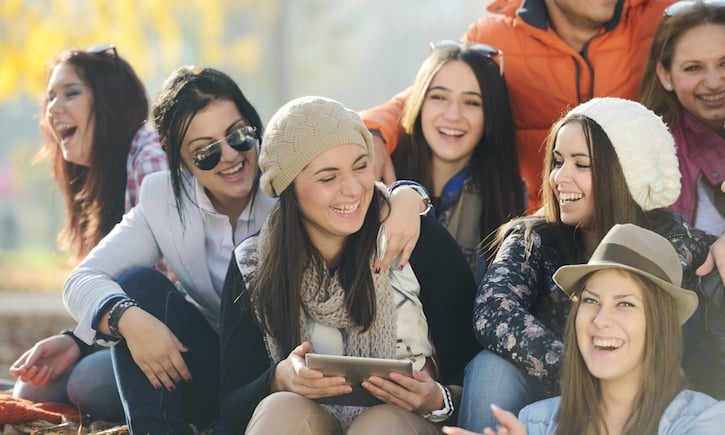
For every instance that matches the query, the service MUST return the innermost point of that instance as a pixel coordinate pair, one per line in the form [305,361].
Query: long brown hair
[494,163]
[652,94]
[580,411]
[278,278]
[94,196]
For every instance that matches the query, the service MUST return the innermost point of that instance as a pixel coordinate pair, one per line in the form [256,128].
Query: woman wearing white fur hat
[622,345]
[307,282]
[608,161]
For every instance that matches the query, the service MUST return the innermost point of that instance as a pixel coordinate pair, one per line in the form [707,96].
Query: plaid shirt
[144,157]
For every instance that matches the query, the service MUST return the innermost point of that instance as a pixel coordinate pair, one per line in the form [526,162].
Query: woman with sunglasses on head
[608,161]
[622,348]
[457,141]
[166,353]
[684,82]
[94,132]
[327,298]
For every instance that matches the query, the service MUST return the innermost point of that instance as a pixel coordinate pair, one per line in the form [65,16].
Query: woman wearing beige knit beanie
[608,161]
[307,283]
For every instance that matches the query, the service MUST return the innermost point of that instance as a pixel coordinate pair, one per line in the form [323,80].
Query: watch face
[437,416]
[440,415]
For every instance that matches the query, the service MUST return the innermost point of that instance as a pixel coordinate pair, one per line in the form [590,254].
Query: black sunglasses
[681,6]
[241,139]
[484,49]
[106,49]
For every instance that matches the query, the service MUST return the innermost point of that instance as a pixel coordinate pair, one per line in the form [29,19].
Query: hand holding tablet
[355,370]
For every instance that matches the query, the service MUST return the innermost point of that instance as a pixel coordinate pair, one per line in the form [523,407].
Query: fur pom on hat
[300,131]
[644,146]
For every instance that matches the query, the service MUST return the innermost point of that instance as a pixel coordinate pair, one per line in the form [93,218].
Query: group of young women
[201,338]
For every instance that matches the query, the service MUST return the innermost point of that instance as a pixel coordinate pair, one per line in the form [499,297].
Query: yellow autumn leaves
[155,36]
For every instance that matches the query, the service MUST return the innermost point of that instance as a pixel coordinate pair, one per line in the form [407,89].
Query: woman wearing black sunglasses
[166,353]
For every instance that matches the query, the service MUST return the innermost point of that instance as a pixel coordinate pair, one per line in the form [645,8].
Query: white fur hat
[644,146]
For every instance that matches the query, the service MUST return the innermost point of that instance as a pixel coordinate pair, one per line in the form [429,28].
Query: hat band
[627,257]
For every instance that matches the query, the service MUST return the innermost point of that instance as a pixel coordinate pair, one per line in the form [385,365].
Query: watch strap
[444,413]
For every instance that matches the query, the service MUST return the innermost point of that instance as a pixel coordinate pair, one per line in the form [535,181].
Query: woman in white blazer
[166,353]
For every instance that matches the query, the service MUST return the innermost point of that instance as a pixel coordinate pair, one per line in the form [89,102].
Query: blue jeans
[92,387]
[490,379]
[149,410]
[89,385]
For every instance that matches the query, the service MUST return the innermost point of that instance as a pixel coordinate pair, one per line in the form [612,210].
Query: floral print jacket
[519,311]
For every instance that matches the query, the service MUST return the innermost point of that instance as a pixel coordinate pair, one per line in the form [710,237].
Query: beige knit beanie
[300,131]
[644,146]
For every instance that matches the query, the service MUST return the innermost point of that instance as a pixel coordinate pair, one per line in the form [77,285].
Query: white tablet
[355,370]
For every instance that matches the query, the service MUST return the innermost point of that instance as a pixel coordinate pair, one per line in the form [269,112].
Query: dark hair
[278,279]
[652,93]
[580,408]
[94,196]
[189,90]
[494,162]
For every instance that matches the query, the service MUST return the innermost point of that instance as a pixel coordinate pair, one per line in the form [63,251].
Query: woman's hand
[715,258]
[46,360]
[508,425]
[154,348]
[402,228]
[292,374]
[418,394]
[451,430]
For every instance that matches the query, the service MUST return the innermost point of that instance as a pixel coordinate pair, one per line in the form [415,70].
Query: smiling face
[333,195]
[229,184]
[571,176]
[697,73]
[452,115]
[611,326]
[583,14]
[68,113]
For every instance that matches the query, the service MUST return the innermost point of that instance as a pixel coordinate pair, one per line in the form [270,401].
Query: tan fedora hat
[637,250]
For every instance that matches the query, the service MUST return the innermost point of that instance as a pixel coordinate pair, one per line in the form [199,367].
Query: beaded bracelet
[115,314]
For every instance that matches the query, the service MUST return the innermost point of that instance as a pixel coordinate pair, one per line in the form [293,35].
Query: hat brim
[567,277]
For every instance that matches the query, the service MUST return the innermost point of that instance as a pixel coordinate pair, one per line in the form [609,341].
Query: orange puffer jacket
[545,76]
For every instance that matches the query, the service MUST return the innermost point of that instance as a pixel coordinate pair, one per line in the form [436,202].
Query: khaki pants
[289,413]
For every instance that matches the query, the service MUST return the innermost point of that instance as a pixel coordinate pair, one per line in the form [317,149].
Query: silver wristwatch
[443,414]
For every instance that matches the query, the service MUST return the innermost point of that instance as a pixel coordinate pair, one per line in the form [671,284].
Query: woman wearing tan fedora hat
[622,348]
[608,161]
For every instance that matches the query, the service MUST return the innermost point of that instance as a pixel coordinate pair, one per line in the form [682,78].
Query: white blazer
[150,231]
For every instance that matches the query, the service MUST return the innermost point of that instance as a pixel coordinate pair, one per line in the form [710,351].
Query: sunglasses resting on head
[490,52]
[681,6]
[240,139]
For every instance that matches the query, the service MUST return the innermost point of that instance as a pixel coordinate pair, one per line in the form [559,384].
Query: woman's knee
[140,283]
[52,392]
[289,413]
[381,419]
[152,290]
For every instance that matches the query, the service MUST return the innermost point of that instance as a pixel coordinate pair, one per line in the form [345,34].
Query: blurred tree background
[358,51]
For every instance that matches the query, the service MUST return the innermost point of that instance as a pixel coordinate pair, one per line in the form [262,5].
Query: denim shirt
[689,413]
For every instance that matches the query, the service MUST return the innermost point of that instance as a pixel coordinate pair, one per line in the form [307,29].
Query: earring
[668,86]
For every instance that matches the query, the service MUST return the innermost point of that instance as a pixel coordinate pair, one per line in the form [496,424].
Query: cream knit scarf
[322,298]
